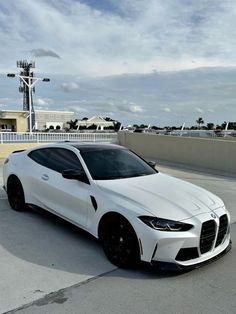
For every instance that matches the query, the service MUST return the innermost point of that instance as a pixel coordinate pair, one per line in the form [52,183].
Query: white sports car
[135,211]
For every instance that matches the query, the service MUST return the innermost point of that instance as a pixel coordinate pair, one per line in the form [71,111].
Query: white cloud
[138,37]
[199,110]
[91,107]
[129,107]
[135,109]
[70,87]
[76,109]
[42,102]
[5,99]
[166,109]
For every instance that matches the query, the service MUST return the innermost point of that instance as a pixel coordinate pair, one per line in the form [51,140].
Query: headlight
[165,224]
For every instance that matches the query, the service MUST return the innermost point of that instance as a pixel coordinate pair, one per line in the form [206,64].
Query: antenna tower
[23,88]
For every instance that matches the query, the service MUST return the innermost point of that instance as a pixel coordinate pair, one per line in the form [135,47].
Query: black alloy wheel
[119,242]
[16,195]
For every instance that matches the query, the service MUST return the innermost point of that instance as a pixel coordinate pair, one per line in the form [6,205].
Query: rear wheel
[15,194]
[119,241]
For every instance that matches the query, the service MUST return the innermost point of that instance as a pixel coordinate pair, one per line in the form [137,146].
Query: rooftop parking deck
[47,266]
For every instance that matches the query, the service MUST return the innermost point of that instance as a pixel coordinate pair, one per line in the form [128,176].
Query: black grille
[223,227]
[208,234]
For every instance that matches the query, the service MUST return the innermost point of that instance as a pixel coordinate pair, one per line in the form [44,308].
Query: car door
[65,197]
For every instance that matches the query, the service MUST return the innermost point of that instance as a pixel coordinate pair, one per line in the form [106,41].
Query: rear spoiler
[18,151]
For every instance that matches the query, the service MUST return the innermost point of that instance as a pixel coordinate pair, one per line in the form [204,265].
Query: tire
[119,241]
[16,196]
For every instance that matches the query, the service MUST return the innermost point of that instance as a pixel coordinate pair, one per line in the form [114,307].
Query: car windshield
[109,164]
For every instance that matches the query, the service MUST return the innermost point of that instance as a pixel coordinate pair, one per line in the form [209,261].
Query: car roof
[81,146]
[85,147]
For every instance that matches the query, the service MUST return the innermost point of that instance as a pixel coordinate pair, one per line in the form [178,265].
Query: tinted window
[40,156]
[57,159]
[62,159]
[110,164]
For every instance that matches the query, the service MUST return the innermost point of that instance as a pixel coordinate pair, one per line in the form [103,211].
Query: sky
[153,62]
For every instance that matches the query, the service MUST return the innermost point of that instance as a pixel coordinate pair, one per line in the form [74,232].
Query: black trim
[18,151]
[187,254]
[94,202]
[176,267]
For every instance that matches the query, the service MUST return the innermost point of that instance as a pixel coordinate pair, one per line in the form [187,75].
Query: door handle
[45,177]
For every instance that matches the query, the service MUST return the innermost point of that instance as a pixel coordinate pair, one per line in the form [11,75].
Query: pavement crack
[59,295]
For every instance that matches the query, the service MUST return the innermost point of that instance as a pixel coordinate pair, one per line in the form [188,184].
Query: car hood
[160,195]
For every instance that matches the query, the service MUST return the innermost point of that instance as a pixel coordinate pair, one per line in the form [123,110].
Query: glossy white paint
[156,195]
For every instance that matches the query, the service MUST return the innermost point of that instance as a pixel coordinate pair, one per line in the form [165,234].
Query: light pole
[30,81]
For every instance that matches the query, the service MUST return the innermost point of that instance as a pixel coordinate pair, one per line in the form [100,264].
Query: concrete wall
[217,154]
[6,149]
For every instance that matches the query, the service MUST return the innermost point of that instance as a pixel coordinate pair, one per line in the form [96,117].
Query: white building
[98,121]
[44,119]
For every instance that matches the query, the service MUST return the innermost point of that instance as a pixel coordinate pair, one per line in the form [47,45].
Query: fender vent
[94,202]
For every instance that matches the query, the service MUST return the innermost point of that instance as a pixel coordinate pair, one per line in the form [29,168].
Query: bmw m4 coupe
[138,213]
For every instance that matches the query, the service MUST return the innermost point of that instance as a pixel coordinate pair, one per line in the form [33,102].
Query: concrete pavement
[47,266]
[208,290]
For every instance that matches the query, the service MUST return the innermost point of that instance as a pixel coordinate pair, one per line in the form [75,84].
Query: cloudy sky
[155,62]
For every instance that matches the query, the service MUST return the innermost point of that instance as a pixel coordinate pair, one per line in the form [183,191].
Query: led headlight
[165,224]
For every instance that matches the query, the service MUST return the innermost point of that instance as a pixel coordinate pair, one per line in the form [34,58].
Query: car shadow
[42,238]
[140,268]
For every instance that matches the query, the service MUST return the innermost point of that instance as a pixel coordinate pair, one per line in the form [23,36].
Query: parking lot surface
[48,266]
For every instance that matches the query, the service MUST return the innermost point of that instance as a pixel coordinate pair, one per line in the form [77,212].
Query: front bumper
[186,250]
[177,267]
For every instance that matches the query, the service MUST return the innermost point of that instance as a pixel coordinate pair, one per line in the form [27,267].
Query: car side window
[40,156]
[61,159]
[57,159]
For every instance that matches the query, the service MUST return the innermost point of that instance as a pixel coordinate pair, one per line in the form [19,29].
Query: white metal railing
[20,137]
[199,133]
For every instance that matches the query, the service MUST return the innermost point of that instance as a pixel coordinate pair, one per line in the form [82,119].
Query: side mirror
[75,174]
[152,164]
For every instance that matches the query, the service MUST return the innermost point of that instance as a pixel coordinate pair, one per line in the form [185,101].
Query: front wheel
[15,194]
[119,241]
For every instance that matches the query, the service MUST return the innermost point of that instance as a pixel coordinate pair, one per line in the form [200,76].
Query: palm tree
[199,122]
[210,126]
[73,124]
